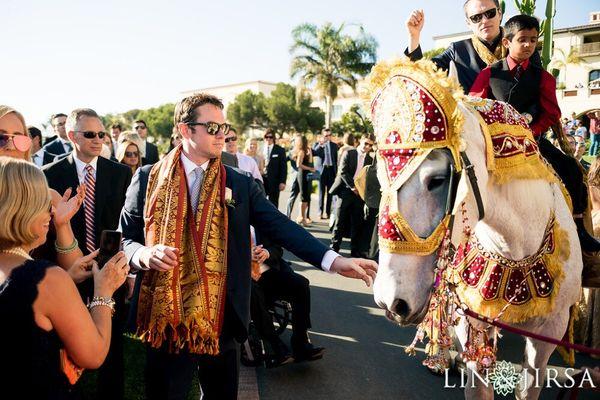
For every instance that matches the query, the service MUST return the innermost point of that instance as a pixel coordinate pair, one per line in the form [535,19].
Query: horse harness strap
[470,170]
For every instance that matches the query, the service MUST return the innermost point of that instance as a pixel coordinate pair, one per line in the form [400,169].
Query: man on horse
[477,53]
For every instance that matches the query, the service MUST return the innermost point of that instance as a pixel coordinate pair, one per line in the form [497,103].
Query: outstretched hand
[356,268]
[65,207]
[414,23]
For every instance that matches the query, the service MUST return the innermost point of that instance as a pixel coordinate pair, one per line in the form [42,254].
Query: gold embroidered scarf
[485,54]
[183,308]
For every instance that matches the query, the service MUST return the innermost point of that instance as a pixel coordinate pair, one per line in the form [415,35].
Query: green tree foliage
[248,109]
[352,121]
[429,54]
[281,111]
[159,120]
[326,58]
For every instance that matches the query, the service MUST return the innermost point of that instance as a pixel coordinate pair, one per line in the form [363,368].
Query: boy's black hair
[519,23]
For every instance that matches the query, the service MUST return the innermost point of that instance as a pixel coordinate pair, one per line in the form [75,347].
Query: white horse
[516,216]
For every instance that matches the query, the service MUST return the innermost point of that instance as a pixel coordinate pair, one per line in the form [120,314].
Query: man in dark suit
[106,183]
[351,214]
[39,156]
[200,120]
[327,151]
[150,151]
[470,55]
[61,145]
[277,280]
[275,173]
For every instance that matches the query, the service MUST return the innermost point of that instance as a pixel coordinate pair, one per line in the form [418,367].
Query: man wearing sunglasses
[60,144]
[197,253]
[275,167]
[105,184]
[149,151]
[471,55]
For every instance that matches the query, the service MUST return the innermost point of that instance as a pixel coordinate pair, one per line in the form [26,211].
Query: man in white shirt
[245,163]
[39,156]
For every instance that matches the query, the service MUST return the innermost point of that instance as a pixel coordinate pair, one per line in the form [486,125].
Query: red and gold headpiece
[414,111]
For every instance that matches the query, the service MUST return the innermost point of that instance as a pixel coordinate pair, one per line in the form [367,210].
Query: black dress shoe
[277,361]
[587,241]
[308,352]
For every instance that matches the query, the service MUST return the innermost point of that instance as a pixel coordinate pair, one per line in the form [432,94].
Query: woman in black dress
[304,160]
[41,311]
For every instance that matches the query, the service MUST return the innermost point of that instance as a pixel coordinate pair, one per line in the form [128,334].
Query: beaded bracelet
[102,301]
[66,250]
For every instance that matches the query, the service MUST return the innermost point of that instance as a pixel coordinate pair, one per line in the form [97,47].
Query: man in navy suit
[61,145]
[275,173]
[150,150]
[327,151]
[200,120]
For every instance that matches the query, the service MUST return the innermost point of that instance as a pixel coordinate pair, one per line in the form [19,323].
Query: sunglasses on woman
[20,142]
[489,14]
[131,154]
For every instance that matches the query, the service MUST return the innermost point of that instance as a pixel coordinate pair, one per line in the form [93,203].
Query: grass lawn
[135,362]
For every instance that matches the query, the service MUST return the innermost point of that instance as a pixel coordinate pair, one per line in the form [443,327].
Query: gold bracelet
[66,250]
[102,301]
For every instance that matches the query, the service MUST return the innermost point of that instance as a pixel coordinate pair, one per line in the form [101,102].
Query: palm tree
[564,60]
[325,58]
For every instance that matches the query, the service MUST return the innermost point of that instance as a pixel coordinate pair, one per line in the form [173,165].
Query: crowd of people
[58,200]
[203,238]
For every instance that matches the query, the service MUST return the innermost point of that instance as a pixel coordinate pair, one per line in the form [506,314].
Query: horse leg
[474,388]
[536,357]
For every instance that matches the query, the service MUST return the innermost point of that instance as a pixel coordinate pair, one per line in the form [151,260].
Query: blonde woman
[251,149]
[15,143]
[40,308]
[129,136]
[128,153]
[14,137]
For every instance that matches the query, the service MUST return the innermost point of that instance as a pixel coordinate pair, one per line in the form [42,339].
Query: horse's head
[419,122]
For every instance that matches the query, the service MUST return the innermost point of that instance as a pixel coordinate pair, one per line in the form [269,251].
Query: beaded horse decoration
[415,110]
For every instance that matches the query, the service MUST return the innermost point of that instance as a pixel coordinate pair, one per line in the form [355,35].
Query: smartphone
[110,244]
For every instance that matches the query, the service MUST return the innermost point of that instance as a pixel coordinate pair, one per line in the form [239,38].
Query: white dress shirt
[67,145]
[80,166]
[38,158]
[248,164]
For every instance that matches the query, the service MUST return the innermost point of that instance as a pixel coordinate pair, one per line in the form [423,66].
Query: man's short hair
[140,121]
[496,3]
[369,136]
[34,132]
[57,115]
[518,23]
[324,130]
[75,117]
[116,126]
[185,109]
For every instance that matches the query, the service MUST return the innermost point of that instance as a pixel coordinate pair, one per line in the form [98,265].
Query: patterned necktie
[518,72]
[195,192]
[88,206]
[327,161]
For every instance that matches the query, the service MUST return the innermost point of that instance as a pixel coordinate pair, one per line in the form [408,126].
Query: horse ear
[452,72]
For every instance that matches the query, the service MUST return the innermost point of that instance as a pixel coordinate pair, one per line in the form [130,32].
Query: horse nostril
[400,307]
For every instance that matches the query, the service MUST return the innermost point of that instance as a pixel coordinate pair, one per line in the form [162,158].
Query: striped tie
[88,206]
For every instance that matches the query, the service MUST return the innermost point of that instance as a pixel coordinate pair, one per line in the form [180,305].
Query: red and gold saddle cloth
[495,286]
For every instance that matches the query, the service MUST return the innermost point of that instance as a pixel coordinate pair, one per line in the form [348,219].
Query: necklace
[17,251]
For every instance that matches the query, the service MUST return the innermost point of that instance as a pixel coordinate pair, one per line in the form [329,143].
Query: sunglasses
[231,139]
[131,154]
[268,137]
[212,128]
[21,142]
[489,14]
[92,134]
[137,128]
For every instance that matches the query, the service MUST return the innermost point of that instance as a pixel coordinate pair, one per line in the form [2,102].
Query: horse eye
[435,183]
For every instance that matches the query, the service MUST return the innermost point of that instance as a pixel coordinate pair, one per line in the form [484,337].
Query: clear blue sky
[117,55]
